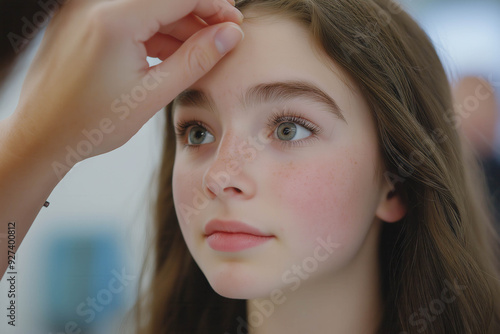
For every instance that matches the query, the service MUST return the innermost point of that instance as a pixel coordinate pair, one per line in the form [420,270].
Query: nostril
[233,189]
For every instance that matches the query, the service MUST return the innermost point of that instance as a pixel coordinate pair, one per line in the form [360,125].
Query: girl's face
[274,138]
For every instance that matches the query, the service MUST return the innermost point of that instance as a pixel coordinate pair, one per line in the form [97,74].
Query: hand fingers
[146,17]
[162,46]
[219,17]
[170,38]
[184,28]
[223,10]
[217,11]
[191,61]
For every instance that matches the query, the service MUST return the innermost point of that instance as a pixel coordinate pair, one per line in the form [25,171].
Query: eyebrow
[266,92]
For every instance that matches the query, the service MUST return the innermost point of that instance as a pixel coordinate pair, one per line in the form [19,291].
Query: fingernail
[227,38]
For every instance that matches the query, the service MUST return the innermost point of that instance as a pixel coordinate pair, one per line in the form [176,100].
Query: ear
[392,207]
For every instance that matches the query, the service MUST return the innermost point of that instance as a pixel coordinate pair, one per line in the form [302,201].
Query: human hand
[90,87]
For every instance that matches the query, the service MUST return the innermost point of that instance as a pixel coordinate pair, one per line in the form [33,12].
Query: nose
[229,174]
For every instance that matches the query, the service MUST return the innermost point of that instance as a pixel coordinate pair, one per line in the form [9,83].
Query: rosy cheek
[323,197]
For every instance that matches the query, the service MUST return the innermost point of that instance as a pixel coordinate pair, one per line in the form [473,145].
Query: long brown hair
[446,241]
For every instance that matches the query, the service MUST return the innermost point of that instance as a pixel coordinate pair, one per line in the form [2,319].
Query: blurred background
[80,263]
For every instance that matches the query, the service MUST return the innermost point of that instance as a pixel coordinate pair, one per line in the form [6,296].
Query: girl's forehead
[275,54]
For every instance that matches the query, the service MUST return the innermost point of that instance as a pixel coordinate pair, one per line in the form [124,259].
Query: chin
[232,292]
[237,284]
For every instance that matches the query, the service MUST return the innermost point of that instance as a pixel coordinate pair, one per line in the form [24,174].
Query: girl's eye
[199,135]
[290,131]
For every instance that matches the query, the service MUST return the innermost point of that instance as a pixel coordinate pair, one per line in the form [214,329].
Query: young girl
[314,182]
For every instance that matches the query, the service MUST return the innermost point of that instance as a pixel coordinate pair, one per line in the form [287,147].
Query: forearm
[27,178]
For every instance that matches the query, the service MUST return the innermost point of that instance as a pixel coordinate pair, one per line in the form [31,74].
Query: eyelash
[284,116]
[274,120]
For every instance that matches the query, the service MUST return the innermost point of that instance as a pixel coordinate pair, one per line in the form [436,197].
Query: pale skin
[324,186]
[93,53]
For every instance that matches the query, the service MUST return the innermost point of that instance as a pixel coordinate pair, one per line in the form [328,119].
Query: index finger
[145,17]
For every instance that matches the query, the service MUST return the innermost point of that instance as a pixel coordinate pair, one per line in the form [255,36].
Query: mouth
[233,236]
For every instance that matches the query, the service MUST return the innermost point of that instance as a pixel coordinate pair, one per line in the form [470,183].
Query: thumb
[195,58]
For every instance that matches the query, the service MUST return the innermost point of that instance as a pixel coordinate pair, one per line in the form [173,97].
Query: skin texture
[324,186]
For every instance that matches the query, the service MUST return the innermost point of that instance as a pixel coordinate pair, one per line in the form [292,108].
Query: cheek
[327,197]
[189,200]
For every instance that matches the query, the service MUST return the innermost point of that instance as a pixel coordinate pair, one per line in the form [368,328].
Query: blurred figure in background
[467,37]
[477,115]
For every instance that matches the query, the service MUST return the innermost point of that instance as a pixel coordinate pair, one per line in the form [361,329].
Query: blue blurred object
[84,282]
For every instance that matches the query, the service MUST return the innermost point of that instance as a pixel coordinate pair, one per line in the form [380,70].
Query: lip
[233,236]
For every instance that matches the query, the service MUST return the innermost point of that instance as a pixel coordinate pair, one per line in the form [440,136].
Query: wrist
[27,143]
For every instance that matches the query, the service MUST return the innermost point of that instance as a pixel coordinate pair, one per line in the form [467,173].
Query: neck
[345,302]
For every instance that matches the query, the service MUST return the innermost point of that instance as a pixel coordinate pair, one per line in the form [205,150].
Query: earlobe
[392,207]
